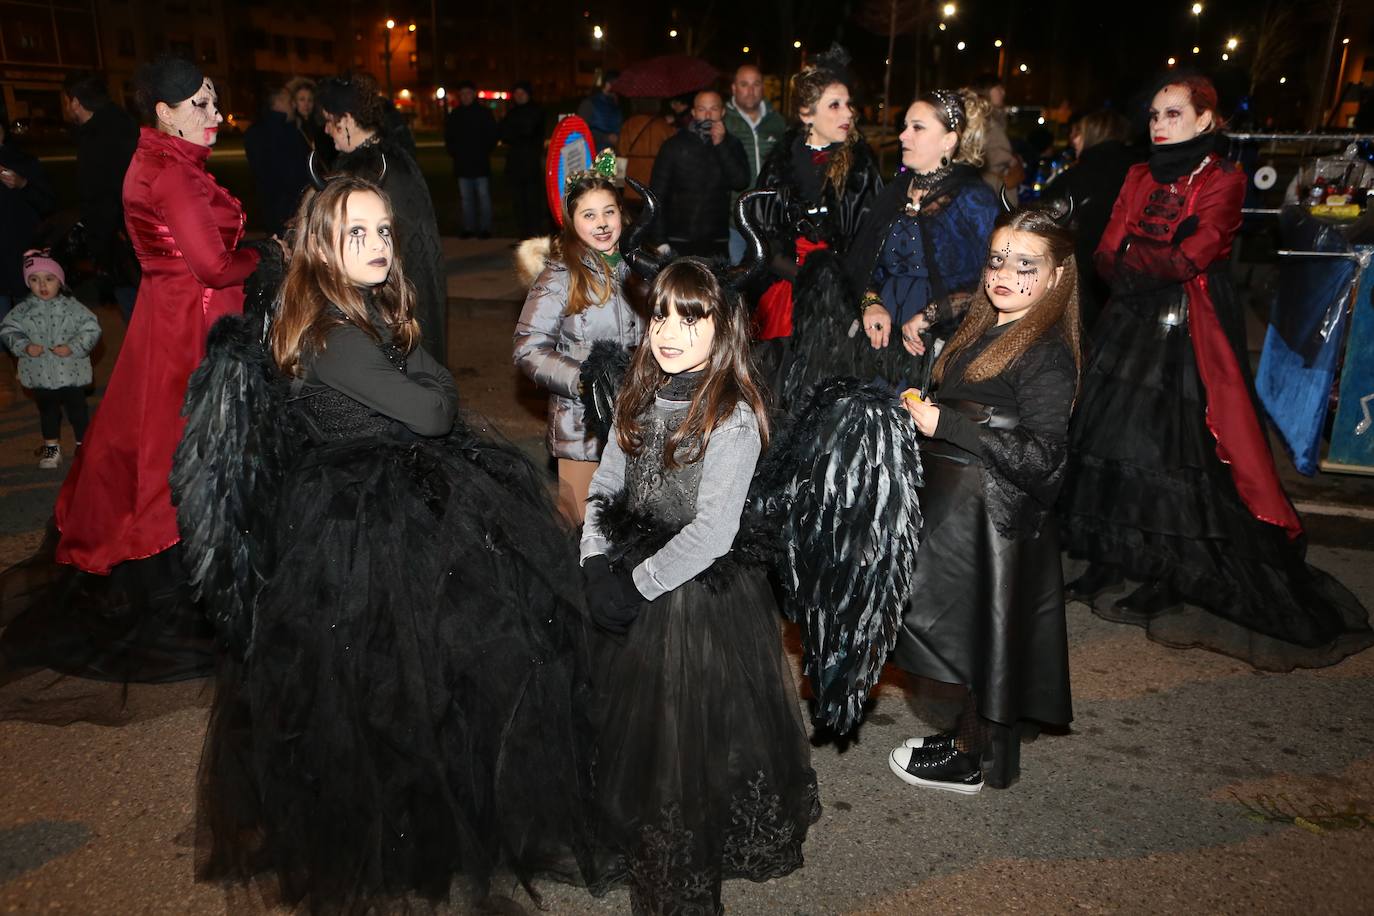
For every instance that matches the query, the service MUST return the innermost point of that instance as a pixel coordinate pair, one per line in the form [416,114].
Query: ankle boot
[1095,580]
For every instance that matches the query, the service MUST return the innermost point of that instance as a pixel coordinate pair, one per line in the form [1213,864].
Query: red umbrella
[664,77]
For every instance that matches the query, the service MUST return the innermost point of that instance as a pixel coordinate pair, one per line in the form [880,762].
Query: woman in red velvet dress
[1171,482]
[114,512]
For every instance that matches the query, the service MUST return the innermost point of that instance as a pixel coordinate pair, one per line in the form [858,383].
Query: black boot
[1146,602]
[1095,580]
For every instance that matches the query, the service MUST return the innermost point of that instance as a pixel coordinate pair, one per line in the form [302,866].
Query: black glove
[1185,229]
[612,597]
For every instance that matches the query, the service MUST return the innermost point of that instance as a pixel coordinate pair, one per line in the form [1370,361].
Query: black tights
[998,746]
[52,402]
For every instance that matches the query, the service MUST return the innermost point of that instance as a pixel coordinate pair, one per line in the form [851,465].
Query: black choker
[927,180]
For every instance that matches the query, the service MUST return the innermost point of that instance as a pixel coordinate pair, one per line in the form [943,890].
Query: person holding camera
[694,174]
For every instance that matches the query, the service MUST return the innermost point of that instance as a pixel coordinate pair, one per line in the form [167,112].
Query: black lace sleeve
[1031,456]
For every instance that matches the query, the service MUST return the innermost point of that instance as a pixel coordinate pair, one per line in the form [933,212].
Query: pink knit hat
[40,261]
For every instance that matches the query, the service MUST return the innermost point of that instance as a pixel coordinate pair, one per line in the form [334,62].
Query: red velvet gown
[116,504]
[1170,473]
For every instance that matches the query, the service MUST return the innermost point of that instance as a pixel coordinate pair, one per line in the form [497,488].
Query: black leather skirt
[987,612]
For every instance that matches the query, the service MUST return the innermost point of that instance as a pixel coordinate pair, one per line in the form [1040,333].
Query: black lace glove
[612,597]
[1185,229]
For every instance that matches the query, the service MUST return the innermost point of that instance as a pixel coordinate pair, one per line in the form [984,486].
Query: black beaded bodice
[329,414]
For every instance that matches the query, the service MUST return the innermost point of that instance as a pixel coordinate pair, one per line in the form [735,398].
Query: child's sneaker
[50,457]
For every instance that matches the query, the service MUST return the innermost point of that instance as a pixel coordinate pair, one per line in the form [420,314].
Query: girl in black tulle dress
[702,766]
[401,710]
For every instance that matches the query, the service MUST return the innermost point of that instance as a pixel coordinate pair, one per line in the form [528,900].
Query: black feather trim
[635,536]
[602,372]
[263,286]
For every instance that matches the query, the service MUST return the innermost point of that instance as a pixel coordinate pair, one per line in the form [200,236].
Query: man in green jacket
[757,127]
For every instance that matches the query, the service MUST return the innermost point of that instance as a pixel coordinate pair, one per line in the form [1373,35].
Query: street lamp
[672,33]
[411,27]
[745,49]
[390,24]
[1232,43]
[1172,61]
[961,45]
[1225,56]
[1024,69]
[797,45]
[997,43]
[948,10]
[1196,49]
[598,33]
[1197,9]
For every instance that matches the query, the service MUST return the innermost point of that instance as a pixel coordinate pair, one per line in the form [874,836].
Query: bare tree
[1275,42]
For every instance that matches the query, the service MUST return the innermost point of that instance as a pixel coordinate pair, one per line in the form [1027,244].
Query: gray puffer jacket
[48,323]
[550,346]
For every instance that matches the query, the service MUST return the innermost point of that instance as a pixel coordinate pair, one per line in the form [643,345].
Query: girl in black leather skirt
[987,608]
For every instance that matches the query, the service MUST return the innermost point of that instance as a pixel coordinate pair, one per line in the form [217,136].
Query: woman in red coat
[1170,481]
[114,512]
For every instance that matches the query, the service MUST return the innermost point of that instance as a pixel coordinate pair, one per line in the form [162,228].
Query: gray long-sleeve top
[727,469]
[424,398]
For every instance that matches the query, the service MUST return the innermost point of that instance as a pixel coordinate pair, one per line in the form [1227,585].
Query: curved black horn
[1006,204]
[1067,217]
[382,177]
[315,180]
[755,253]
[645,264]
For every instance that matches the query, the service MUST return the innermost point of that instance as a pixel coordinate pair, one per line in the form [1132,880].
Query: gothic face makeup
[196,120]
[1173,119]
[344,131]
[681,343]
[1019,273]
[924,139]
[365,244]
[833,117]
[596,219]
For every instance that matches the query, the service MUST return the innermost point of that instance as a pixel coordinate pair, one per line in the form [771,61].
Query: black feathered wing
[602,372]
[227,471]
[842,482]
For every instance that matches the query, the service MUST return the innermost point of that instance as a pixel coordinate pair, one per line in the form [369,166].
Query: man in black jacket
[522,130]
[695,171]
[277,154]
[26,197]
[469,136]
[105,140]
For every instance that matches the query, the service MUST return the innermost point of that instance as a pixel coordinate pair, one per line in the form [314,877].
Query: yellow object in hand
[912,394]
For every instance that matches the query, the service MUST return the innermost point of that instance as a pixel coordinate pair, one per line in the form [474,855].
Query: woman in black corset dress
[987,607]
[1171,483]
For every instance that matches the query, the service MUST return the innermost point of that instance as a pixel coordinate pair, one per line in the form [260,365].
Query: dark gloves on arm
[612,597]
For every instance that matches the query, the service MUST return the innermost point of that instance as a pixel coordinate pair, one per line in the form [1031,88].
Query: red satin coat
[1146,216]
[116,504]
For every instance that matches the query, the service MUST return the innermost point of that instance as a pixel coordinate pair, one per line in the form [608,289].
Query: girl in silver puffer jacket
[577,299]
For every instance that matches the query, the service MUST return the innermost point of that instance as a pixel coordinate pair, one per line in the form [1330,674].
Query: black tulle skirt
[987,611]
[407,713]
[702,767]
[139,624]
[1146,491]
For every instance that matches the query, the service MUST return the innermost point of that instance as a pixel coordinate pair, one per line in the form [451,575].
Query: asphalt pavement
[1188,783]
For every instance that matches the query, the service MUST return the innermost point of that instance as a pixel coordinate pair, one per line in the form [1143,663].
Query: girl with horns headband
[827,178]
[920,254]
[987,604]
[576,298]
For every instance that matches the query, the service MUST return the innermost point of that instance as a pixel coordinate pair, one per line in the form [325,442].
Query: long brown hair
[588,284]
[1057,308]
[807,88]
[317,295]
[688,288]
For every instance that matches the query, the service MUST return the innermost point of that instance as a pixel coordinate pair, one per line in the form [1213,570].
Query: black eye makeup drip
[355,242]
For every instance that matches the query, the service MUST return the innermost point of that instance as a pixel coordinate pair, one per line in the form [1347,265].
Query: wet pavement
[1189,781]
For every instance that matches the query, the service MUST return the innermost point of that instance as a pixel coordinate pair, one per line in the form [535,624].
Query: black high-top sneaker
[945,768]
[943,739]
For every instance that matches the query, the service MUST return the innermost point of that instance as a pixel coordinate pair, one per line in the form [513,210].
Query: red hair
[1202,95]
